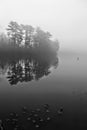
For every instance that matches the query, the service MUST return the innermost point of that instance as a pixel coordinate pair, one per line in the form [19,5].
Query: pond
[48,92]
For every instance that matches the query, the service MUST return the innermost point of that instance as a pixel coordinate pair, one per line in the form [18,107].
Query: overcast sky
[65,19]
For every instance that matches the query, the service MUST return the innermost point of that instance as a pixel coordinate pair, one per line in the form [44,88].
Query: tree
[12,31]
[28,34]
[20,34]
[42,38]
[3,40]
[56,45]
[15,33]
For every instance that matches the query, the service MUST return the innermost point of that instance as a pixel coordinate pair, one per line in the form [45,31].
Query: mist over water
[48,91]
[43,82]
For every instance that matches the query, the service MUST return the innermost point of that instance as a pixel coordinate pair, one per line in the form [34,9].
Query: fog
[65,19]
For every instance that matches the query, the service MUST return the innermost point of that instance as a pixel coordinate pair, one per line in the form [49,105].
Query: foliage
[22,36]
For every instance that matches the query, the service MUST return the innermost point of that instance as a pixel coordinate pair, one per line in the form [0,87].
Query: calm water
[53,88]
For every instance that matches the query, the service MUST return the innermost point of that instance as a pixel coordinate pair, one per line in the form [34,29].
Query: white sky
[65,19]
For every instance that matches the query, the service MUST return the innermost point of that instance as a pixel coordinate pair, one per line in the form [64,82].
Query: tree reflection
[28,69]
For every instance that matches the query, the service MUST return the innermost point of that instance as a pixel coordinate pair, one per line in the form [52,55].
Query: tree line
[20,35]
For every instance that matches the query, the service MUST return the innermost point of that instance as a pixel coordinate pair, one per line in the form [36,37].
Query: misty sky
[65,19]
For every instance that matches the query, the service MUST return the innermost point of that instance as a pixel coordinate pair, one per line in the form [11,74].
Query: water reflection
[26,69]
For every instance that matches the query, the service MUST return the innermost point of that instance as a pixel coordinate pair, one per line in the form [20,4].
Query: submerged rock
[15,128]
[60,111]
[47,111]
[48,118]
[46,106]
[41,120]
[29,118]
[35,118]
[38,110]
[11,114]
[24,108]
[34,121]
[37,126]
[35,115]
[7,119]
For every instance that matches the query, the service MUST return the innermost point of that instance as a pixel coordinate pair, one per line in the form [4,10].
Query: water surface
[59,81]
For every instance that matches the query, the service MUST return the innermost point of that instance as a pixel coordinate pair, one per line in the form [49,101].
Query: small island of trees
[22,38]
[27,53]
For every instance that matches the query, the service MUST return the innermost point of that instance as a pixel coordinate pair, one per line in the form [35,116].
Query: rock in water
[60,111]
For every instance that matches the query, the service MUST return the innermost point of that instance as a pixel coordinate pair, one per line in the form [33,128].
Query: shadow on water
[27,68]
